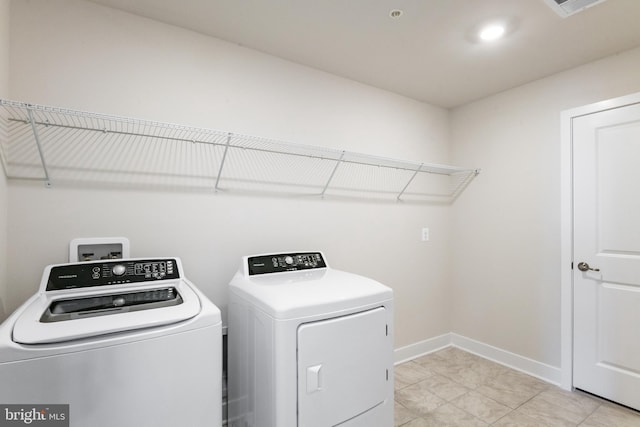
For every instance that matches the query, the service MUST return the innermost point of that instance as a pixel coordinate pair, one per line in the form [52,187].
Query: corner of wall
[4,92]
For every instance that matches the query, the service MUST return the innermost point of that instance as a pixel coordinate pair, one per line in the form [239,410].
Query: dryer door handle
[314,378]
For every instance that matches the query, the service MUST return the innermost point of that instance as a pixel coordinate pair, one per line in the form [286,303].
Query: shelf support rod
[37,138]
[332,174]
[224,157]
[410,181]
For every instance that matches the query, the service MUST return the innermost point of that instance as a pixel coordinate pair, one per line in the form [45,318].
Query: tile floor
[454,388]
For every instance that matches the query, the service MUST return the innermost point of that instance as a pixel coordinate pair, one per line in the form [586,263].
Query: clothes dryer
[308,345]
[125,343]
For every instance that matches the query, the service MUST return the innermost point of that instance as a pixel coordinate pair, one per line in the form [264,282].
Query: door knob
[583,266]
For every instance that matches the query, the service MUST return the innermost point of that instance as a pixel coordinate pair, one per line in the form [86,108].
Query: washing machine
[122,343]
[308,345]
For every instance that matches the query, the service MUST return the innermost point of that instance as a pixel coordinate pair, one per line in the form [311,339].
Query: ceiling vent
[566,8]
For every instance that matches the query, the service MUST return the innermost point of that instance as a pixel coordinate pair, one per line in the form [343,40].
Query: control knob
[119,270]
[288,260]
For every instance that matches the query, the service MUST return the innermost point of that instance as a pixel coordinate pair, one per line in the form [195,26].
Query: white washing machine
[308,345]
[123,343]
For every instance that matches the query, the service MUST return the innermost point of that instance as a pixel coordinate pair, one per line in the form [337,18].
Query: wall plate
[95,248]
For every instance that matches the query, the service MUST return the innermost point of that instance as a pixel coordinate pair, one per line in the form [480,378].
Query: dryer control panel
[277,263]
[89,274]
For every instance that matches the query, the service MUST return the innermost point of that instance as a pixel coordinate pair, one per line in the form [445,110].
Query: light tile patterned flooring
[454,388]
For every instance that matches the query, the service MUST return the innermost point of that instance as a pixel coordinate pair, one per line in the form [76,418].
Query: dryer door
[344,366]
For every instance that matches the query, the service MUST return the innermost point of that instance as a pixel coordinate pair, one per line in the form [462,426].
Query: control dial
[288,260]
[119,270]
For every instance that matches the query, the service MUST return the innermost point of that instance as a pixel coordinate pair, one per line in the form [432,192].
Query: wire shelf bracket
[409,182]
[333,172]
[224,157]
[36,137]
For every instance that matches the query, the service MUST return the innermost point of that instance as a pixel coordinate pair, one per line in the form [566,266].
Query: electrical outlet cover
[425,234]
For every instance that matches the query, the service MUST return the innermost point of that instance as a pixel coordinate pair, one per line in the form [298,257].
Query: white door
[606,270]
[344,369]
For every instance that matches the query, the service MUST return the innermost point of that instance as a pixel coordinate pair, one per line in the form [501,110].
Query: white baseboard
[531,367]
[413,351]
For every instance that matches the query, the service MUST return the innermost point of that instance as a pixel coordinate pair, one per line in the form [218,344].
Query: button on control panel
[277,263]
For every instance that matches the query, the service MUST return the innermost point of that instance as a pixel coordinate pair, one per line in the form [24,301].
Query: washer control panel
[278,263]
[89,274]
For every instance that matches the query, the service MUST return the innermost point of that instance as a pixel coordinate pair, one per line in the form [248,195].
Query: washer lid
[34,325]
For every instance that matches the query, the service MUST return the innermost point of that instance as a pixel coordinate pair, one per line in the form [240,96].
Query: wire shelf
[60,145]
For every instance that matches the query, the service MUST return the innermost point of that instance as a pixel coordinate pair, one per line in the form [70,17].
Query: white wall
[491,270]
[79,55]
[4,93]
[506,226]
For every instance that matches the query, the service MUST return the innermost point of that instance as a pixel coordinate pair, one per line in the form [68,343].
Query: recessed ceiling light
[492,29]
[492,32]
[395,13]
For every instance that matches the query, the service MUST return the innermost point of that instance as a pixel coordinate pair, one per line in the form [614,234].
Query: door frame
[566,226]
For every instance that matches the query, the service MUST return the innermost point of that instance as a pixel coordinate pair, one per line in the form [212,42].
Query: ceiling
[430,53]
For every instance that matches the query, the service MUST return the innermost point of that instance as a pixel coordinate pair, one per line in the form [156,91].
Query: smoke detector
[566,8]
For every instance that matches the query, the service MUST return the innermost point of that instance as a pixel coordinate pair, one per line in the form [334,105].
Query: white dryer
[308,345]
[123,343]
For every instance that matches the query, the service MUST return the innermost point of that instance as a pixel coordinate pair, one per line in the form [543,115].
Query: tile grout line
[455,369]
